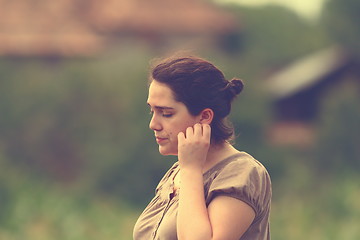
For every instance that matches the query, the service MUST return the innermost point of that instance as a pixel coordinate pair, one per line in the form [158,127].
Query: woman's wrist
[191,177]
[190,169]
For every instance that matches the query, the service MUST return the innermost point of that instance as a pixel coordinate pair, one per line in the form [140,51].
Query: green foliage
[339,129]
[35,210]
[305,206]
[79,121]
[341,19]
[274,35]
[315,207]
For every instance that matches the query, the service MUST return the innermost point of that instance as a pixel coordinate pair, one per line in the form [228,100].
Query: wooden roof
[81,27]
[306,72]
[175,16]
[43,28]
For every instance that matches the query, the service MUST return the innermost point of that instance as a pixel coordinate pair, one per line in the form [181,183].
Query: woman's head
[198,84]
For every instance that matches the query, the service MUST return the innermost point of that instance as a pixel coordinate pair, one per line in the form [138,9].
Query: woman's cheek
[173,137]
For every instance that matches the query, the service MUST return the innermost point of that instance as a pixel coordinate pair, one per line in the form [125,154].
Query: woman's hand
[193,146]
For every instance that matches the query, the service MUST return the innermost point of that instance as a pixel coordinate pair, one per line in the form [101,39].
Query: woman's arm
[226,217]
[229,217]
[193,220]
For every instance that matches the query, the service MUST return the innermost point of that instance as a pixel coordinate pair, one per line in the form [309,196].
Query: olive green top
[239,176]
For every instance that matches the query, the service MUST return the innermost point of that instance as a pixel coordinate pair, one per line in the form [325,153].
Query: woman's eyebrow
[161,107]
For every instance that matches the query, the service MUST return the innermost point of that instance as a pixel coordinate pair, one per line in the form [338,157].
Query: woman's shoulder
[238,163]
[245,160]
[243,168]
[240,176]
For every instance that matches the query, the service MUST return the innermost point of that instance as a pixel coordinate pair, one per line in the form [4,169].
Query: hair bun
[234,87]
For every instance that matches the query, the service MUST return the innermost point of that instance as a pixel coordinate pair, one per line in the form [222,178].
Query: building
[70,28]
[297,90]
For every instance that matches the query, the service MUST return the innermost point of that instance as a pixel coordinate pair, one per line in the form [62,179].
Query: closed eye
[164,111]
[167,115]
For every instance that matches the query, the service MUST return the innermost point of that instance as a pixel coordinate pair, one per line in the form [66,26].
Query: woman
[213,191]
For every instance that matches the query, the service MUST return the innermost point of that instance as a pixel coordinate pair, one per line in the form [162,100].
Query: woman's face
[169,117]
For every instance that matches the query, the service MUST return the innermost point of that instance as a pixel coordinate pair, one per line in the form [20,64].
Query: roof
[81,27]
[44,28]
[306,72]
[175,16]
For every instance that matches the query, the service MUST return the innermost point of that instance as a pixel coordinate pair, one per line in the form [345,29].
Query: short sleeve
[244,179]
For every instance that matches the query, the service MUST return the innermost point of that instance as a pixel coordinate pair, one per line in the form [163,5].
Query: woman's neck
[217,153]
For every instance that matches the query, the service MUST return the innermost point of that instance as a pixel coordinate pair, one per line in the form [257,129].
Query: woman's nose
[154,124]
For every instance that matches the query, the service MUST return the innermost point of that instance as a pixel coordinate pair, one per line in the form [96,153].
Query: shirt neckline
[223,162]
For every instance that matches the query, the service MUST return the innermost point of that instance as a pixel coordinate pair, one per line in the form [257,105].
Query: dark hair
[199,84]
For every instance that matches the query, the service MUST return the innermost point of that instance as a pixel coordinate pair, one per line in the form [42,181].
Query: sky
[309,9]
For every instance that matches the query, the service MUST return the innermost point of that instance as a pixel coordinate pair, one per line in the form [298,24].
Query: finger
[189,132]
[198,130]
[181,137]
[206,131]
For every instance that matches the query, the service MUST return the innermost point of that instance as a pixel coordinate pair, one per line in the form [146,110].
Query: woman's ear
[206,116]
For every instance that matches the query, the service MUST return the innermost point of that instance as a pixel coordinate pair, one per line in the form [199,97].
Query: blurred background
[77,160]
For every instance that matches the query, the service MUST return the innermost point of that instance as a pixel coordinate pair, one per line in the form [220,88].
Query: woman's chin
[166,152]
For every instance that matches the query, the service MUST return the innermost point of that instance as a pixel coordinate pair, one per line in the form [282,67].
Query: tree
[341,19]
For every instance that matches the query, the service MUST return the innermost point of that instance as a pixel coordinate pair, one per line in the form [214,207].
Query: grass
[34,210]
[313,207]
[305,206]
[37,213]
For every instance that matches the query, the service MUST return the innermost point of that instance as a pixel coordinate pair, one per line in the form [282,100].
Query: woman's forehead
[160,94]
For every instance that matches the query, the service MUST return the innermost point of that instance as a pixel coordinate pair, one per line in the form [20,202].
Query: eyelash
[164,115]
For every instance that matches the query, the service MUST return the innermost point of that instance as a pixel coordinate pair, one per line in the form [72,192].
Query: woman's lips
[160,140]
